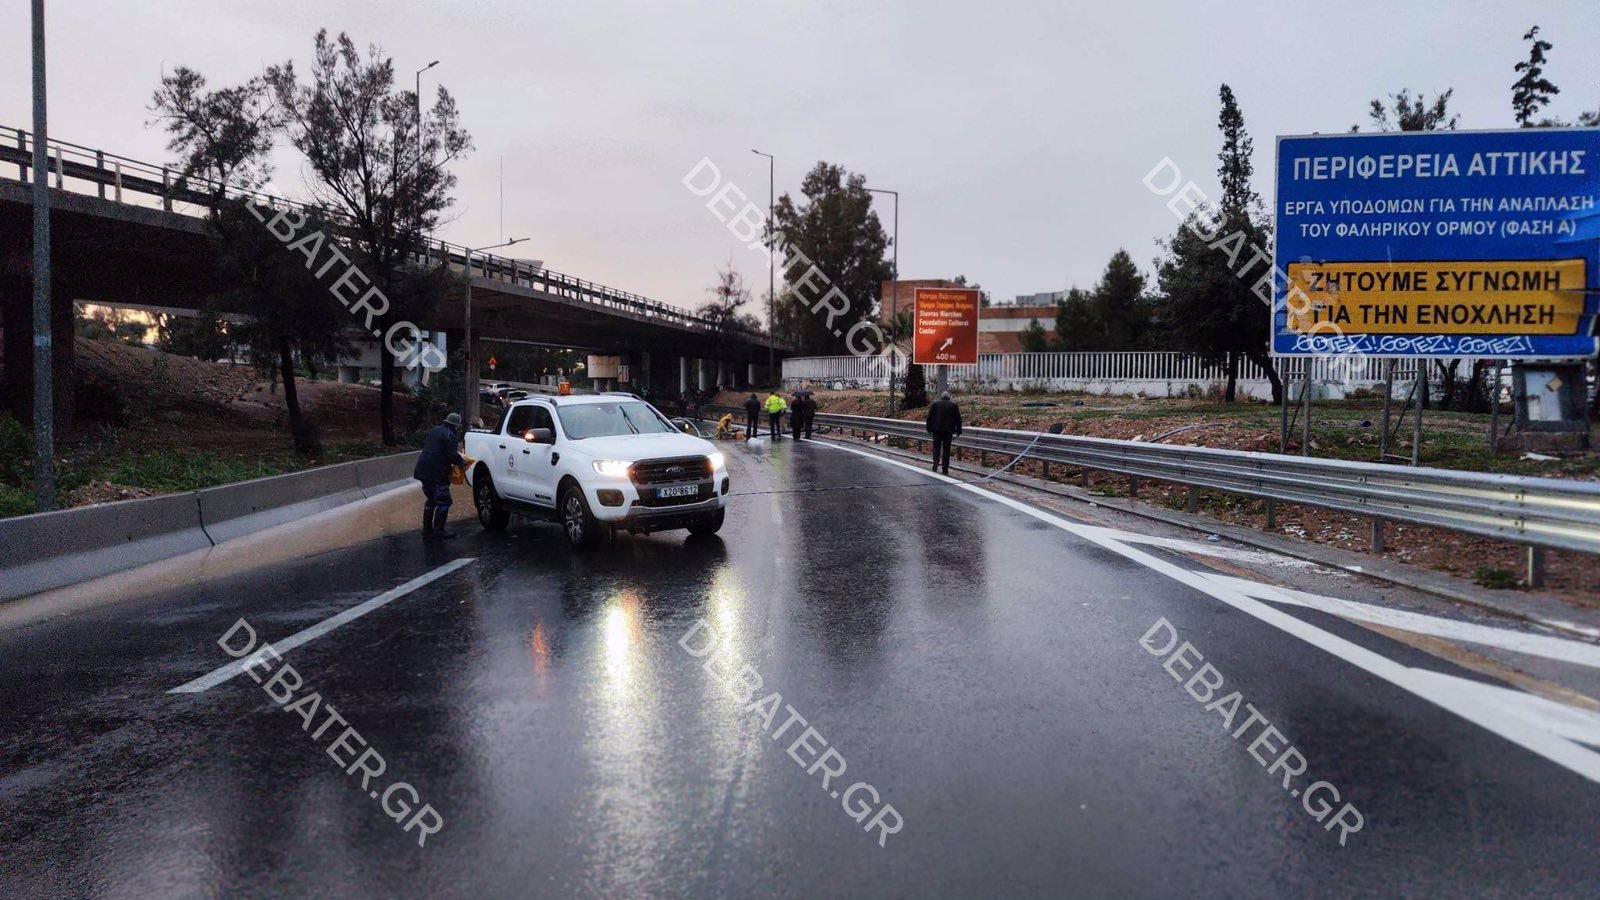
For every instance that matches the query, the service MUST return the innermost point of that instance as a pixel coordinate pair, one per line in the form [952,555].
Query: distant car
[499,387]
[510,397]
[489,397]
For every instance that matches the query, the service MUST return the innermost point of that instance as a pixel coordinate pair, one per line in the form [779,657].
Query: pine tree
[1033,338]
[1207,308]
[1531,93]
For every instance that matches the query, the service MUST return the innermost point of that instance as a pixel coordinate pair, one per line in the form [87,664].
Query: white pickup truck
[595,464]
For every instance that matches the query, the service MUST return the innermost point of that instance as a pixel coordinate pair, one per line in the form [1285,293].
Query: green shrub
[1498,579]
[16,453]
[15,501]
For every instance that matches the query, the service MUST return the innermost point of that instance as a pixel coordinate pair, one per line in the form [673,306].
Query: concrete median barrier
[234,510]
[50,550]
[385,472]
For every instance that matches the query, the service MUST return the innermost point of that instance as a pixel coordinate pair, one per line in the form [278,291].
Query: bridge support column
[16,314]
[349,374]
[683,374]
[700,374]
[722,374]
[750,375]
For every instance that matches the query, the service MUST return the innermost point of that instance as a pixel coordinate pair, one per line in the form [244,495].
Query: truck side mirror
[539,436]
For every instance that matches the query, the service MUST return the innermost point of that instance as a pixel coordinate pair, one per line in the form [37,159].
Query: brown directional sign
[946,327]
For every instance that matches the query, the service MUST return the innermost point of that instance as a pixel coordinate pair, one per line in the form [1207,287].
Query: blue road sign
[1438,243]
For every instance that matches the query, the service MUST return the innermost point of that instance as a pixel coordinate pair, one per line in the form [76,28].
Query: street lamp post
[44,444]
[419,108]
[469,410]
[772,264]
[894,299]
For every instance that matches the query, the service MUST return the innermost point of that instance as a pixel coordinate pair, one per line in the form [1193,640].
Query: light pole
[469,410]
[44,441]
[419,109]
[894,298]
[772,265]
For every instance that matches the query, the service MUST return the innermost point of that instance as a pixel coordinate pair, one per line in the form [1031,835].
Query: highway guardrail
[44,551]
[1540,513]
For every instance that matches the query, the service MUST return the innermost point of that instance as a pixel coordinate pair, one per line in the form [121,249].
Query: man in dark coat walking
[439,453]
[944,423]
[752,417]
[805,410]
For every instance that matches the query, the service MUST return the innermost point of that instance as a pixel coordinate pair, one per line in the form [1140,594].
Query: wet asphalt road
[978,667]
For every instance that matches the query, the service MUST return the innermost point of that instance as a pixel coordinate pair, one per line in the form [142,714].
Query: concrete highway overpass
[124,233]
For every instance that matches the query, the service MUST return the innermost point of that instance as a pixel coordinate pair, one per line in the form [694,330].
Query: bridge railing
[123,180]
[1537,512]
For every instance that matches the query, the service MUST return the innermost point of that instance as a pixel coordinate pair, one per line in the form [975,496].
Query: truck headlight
[612,468]
[716,459]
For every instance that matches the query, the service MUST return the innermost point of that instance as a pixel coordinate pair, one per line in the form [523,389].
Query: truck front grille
[671,471]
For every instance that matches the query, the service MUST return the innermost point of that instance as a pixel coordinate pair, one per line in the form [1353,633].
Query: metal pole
[772,267]
[470,401]
[1305,400]
[1388,393]
[1416,427]
[894,305]
[1283,410]
[1494,410]
[44,443]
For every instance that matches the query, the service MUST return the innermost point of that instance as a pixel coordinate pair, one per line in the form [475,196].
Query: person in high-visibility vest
[775,407]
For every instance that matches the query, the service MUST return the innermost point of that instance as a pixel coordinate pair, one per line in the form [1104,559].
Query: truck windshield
[589,420]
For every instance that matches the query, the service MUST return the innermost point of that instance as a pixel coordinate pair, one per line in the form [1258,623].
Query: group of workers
[802,412]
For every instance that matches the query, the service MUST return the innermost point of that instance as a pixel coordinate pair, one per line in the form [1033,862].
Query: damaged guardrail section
[55,549]
[1541,513]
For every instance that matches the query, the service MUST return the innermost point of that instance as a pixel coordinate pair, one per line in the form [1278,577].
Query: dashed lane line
[229,670]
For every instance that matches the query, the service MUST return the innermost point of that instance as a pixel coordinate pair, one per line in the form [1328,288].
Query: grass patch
[1499,579]
[15,501]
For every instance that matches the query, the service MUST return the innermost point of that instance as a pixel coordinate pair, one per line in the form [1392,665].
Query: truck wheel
[492,514]
[583,531]
[710,523]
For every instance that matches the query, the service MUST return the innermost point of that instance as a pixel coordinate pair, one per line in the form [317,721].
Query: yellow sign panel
[1468,297]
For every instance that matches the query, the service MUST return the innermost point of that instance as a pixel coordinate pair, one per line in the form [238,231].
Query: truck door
[513,460]
[537,460]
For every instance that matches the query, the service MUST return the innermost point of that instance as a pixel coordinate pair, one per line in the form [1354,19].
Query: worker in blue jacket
[440,451]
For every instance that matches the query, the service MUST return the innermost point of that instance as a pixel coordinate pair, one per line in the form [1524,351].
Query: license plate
[678,490]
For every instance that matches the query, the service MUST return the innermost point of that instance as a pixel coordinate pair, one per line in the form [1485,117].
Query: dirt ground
[180,421]
[1450,440]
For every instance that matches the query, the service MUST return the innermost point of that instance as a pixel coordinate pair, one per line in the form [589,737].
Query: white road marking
[1523,719]
[304,636]
[1577,652]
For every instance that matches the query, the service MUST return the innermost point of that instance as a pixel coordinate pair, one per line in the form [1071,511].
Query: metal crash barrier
[1540,513]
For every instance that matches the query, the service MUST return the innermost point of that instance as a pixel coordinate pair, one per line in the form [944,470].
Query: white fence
[1126,374]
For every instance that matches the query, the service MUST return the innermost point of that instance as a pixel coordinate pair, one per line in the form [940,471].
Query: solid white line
[1576,652]
[1458,695]
[225,672]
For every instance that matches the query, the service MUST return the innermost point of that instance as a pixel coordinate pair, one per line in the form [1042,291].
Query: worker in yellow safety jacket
[775,408]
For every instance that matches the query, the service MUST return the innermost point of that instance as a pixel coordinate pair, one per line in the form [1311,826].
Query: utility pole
[894,300]
[772,264]
[44,440]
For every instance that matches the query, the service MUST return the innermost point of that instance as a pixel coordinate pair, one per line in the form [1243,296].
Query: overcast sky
[1017,133]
